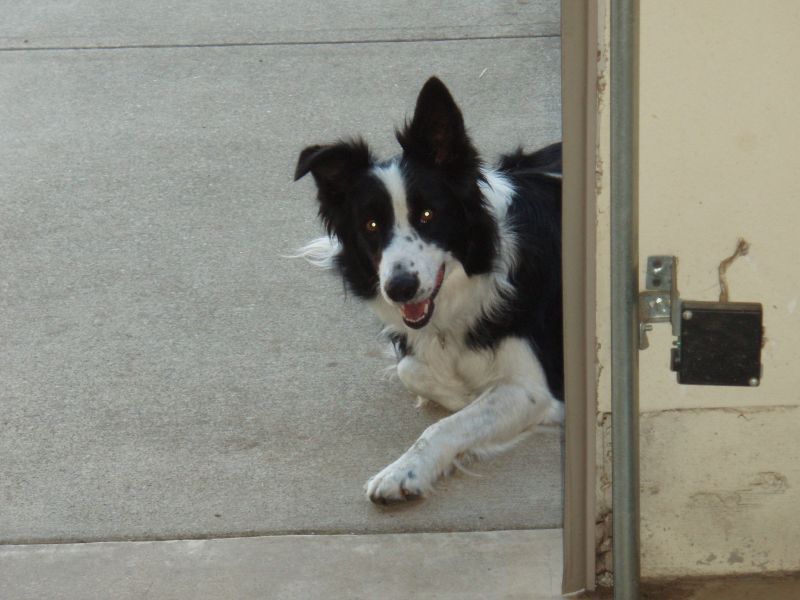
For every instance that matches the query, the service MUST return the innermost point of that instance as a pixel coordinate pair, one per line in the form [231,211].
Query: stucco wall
[719,129]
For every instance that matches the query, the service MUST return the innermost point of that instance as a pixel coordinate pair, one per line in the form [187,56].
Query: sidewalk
[166,374]
[499,565]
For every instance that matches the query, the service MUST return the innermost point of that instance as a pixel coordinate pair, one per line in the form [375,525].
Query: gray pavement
[500,565]
[165,373]
[93,23]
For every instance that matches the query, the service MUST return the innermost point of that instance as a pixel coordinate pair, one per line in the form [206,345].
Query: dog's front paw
[407,478]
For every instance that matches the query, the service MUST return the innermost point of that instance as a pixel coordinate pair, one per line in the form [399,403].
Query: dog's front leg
[497,416]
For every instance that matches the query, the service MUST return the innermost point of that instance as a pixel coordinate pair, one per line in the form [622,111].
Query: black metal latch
[717,343]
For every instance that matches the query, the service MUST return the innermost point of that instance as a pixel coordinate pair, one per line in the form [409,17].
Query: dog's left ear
[333,166]
[436,134]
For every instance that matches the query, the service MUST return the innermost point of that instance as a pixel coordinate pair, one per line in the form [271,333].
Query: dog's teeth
[417,313]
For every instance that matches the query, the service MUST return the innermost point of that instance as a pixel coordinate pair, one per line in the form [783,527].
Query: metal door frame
[579,43]
[580,28]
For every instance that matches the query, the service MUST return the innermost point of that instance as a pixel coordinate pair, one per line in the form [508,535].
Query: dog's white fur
[497,396]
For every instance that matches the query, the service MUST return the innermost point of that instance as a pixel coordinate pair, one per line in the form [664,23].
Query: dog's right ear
[334,166]
[436,133]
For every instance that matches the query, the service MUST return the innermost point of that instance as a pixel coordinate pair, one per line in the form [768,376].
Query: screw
[687,315]
[753,381]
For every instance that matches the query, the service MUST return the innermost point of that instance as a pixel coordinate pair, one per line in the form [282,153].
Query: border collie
[462,263]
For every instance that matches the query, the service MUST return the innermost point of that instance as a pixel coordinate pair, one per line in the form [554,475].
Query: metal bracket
[717,343]
[660,302]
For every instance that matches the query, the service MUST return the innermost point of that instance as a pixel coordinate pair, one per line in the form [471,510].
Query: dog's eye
[426,216]
[371,226]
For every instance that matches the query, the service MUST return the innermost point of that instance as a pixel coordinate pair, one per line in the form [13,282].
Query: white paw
[407,478]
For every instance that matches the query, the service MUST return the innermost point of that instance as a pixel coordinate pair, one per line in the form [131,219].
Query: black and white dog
[462,262]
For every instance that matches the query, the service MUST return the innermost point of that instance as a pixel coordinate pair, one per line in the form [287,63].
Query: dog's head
[406,223]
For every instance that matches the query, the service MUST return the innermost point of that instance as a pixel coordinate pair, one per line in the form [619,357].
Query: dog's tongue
[414,311]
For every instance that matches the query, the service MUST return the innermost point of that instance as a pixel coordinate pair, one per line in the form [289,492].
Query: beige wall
[719,126]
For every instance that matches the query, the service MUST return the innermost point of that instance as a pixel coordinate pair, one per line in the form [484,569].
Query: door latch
[717,343]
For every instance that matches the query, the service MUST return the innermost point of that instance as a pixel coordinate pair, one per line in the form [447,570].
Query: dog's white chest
[453,375]
[449,373]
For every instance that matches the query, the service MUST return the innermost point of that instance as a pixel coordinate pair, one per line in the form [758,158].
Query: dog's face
[404,224]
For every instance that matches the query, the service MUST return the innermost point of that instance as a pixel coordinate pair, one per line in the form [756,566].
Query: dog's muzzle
[403,287]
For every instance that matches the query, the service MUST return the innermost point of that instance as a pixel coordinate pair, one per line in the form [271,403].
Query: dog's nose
[402,287]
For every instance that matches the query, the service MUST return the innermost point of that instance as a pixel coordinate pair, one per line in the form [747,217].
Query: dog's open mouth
[417,314]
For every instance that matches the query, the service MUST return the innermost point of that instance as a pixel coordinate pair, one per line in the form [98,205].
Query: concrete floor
[503,565]
[166,374]
[498,565]
[732,588]
[770,587]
